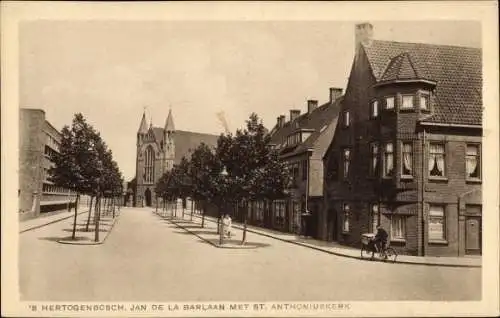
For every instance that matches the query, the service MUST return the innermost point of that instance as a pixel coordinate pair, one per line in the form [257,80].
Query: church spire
[169,123]
[143,128]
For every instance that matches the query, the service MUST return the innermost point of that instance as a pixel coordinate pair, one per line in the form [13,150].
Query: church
[158,150]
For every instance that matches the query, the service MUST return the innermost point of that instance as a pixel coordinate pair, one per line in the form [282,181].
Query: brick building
[302,142]
[158,149]
[407,148]
[38,139]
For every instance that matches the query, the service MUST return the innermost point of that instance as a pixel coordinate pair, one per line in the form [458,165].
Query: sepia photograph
[249,164]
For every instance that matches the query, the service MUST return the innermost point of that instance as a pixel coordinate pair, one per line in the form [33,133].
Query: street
[146,258]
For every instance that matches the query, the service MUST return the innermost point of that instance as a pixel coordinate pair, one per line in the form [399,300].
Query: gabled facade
[157,150]
[407,150]
[302,141]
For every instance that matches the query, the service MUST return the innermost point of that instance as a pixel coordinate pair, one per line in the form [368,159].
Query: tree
[255,172]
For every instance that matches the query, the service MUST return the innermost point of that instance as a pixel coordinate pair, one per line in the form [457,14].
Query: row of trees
[243,167]
[85,165]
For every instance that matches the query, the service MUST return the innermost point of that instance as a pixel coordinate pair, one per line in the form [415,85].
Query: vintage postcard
[250,159]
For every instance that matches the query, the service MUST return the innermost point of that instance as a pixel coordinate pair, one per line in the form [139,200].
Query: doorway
[147,196]
[473,242]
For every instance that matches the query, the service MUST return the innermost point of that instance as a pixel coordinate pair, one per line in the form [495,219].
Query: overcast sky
[110,71]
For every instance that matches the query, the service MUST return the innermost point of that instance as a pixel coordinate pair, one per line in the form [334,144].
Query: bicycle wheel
[365,252]
[391,254]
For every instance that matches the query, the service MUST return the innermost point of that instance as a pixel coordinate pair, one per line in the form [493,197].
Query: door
[332,225]
[473,235]
[147,196]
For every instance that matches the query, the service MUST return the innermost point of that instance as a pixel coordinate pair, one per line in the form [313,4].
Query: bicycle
[368,247]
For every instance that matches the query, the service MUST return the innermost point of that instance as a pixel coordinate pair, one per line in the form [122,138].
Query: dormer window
[407,102]
[374,110]
[424,102]
[389,102]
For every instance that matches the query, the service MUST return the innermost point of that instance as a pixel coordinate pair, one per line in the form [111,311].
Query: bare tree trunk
[97,216]
[244,239]
[175,208]
[203,215]
[73,235]
[113,206]
[192,208]
[182,209]
[90,212]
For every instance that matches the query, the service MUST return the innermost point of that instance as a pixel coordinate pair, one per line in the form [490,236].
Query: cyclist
[380,239]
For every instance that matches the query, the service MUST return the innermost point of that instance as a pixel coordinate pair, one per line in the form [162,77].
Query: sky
[113,71]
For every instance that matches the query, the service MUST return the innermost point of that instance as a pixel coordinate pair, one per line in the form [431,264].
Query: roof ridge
[431,44]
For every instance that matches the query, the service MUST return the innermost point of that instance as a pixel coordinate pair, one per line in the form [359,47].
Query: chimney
[363,34]
[334,94]
[294,113]
[311,105]
[280,121]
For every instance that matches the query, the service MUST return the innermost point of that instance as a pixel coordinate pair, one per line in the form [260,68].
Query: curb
[242,247]
[351,256]
[51,222]
[92,242]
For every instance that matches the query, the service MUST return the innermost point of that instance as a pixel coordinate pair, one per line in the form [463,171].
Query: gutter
[450,125]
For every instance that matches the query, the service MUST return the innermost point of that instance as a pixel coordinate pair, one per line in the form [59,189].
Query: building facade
[38,140]
[406,153]
[302,142]
[157,150]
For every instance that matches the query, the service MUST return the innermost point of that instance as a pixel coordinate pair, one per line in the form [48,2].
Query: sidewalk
[43,220]
[346,251]
[208,233]
[106,224]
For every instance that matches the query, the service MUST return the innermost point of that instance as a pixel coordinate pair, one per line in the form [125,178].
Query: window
[374,159]
[149,155]
[346,118]
[374,109]
[304,169]
[389,102]
[436,160]
[375,217]
[398,227]
[345,223]
[388,160]
[473,162]
[407,101]
[407,162]
[436,223]
[424,101]
[347,159]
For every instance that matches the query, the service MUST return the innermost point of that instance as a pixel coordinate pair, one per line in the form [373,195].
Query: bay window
[407,102]
[388,159]
[424,102]
[389,102]
[407,160]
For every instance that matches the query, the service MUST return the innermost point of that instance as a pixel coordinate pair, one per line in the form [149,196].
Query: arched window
[149,167]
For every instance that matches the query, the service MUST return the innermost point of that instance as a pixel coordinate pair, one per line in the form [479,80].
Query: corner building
[158,149]
[407,148]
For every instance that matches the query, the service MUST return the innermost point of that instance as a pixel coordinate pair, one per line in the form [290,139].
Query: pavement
[150,259]
[350,252]
[66,219]
[213,239]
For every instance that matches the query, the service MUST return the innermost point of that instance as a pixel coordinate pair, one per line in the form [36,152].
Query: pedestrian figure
[227,221]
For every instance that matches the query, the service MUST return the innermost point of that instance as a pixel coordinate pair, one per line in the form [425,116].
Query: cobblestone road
[146,258]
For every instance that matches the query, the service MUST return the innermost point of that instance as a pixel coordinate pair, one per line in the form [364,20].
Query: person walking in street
[227,221]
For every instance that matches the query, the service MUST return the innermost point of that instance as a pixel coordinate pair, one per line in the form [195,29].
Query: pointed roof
[169,123]
[400,67]
[143,128]
[456,70]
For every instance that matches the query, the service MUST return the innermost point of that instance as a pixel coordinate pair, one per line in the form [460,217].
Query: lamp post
[223,175]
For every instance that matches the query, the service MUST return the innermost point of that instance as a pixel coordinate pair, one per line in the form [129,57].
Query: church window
[149,155]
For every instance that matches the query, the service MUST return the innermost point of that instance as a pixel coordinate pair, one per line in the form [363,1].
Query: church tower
[169,147]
